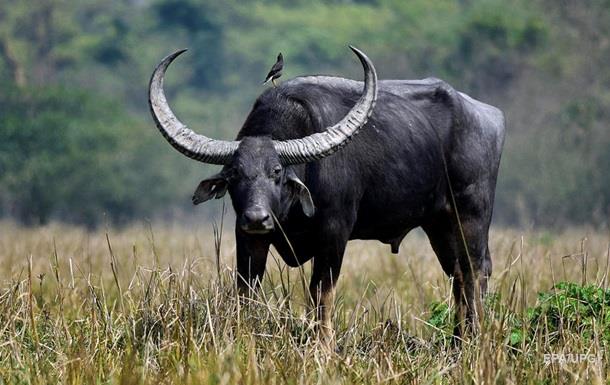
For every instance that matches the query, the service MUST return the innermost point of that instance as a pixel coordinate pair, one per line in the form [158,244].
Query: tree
[64,156]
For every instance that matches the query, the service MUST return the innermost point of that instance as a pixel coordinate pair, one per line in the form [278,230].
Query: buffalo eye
[232,175]
[276,173]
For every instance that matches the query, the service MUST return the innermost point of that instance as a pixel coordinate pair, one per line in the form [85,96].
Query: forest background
[78,145]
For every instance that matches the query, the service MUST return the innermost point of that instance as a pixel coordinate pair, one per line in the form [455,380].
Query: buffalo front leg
[251,260]
[326,269]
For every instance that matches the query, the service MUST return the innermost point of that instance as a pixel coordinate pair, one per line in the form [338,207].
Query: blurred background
[77,143]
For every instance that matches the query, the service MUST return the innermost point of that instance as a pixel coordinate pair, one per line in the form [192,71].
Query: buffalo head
[258,172]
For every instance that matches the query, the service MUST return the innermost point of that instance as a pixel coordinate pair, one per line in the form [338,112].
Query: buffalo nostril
[256,216]
[257,220]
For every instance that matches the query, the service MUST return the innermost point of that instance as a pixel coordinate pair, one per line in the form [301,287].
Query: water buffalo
[300,178]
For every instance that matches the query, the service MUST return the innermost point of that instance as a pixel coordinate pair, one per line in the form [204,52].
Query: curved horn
[321,144]
[198,147]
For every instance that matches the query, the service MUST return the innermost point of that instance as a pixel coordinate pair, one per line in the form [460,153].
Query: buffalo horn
[294,151]
[195,146]
[321,144]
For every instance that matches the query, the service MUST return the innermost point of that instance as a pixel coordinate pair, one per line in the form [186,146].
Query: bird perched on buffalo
[276,70]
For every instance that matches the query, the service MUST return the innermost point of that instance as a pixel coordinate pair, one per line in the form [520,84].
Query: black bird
[276,70]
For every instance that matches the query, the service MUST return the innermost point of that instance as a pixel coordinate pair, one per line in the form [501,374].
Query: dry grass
[151,308]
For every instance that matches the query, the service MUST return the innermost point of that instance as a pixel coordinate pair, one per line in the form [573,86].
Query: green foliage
[567,309]
[574,308]
[492,44]
[440,316]
[63,154]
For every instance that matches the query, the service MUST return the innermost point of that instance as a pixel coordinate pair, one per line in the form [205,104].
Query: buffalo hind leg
[469,269]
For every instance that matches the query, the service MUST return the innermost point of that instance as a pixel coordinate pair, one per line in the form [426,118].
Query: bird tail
[267,80]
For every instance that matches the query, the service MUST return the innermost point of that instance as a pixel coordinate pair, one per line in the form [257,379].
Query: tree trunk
[15,67]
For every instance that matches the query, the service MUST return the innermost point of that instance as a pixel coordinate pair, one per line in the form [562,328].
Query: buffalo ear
[213,187]
[302,193]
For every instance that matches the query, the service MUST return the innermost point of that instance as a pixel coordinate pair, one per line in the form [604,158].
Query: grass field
[153,304]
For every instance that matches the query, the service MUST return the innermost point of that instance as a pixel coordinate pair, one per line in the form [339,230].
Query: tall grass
[156,304]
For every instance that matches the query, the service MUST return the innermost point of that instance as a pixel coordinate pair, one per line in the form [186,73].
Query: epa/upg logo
[571,358]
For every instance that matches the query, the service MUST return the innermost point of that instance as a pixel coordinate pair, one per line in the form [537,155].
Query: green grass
[150,304]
